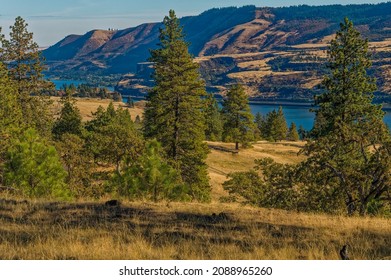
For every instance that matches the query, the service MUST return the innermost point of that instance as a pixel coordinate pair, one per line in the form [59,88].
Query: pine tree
[350,156]
[10,114]
[25,65]
[150,177]
[259,121]
[34,167]
[77,163]
[276,128]
[112,137]
[268,128]
[238,120]
[173,114]
[302,133]
[280,128]
[10,111]
[69,121]
[214,125]
[293,135]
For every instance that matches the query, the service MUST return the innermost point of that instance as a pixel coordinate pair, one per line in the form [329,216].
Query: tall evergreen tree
[23,59]
[279,127]
[350,156]
[238,120]
[275,127]
[10,111]
[293,135]
[260,123]
[10,114]
[174,111]
[214,125]
[69,121]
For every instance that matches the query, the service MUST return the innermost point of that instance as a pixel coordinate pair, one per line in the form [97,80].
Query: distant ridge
[227,41]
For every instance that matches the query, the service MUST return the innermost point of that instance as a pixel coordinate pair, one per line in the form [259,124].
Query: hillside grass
[221,163]
[92,230]
[89,105]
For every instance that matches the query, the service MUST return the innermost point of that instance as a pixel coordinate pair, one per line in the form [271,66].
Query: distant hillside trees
[213,119]
[174,112]
[273,126]
[88,91]
[238,119]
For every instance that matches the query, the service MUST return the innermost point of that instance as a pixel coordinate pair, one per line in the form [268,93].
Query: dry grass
[222,163]
[84,230]
[89,105]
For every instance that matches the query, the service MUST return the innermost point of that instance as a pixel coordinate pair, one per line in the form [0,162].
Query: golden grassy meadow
[92,230]
[143,230]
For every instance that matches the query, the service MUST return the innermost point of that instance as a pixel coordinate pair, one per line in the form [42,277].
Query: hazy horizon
[50,20]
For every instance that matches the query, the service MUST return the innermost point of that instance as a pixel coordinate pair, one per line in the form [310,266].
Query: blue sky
[51,20]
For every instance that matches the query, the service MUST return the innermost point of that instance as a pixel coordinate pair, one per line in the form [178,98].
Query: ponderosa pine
[25,65]
[238,121]
[174,111]
[350,156]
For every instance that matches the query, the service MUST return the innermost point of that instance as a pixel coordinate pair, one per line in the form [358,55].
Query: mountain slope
[277,52]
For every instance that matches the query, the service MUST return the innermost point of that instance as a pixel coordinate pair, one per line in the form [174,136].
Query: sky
[52,20]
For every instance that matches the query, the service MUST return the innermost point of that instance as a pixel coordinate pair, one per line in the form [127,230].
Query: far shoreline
[286,103]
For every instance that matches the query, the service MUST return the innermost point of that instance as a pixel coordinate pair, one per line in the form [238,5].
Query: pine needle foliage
[174,111]
[34,167]
[238,121]
[350,155]
[25,65]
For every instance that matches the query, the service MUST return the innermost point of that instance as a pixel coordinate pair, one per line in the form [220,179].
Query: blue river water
[59,83]
[299,114]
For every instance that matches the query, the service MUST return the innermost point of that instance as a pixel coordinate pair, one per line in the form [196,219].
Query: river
[299,114]
[59,83]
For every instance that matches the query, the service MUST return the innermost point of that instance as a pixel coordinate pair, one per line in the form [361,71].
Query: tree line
[87,91]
